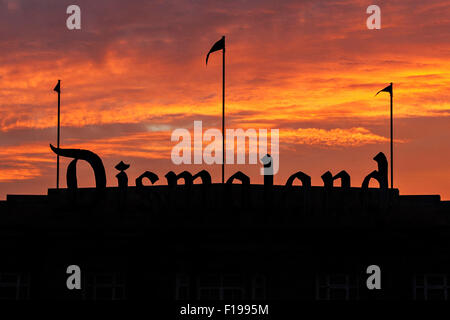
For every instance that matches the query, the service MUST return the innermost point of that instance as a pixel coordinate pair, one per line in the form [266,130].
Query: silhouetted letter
[328,179]
[304,178]
[245,180]
[381,175]
[172,178]
[78,154]
[204,176]
[122,178]
[267,171]
[71,175]
[147,174]
[274,147]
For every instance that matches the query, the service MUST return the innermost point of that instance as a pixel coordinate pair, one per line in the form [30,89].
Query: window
[182,287]
[337,287]
[14,286]
[431,287]
[105,286]
[258,287]
[220,287]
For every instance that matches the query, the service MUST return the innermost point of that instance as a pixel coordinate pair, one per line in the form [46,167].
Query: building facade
[225,242]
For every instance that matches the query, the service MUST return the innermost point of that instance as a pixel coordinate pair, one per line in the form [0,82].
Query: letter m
[241,137]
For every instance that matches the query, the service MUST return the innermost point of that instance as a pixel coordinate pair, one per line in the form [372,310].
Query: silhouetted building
[232,241]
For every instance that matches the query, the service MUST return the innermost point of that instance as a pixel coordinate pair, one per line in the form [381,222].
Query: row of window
[99,286]
[346,287]
[328,287]
[111,286]
[220,287]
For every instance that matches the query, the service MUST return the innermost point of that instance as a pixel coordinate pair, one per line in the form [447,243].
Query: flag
[219,45]
[57,88]
[387,89]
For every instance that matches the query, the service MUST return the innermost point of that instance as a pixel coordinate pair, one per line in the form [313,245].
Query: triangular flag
[387,89]
[219,45]
[58,88]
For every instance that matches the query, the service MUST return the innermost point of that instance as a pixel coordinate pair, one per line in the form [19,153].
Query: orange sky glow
[136,71]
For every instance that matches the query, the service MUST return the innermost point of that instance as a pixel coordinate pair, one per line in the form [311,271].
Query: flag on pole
[219,45]
[57,88]
[387,89]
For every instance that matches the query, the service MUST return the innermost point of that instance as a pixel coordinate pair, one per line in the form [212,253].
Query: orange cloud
[309,68]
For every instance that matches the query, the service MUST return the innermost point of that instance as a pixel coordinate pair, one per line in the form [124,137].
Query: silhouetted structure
[328,179]
[78,154]
[122,178]
[224,241]
[381,175]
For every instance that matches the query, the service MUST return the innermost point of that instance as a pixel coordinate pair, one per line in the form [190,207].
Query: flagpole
[57,157]
[220,45]
[223,113]
[392,138]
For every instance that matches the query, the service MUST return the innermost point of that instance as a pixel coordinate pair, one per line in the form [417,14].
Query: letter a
[73,21]
[183,147]
[215,147]
[74,280]
[373,21]
[374,281]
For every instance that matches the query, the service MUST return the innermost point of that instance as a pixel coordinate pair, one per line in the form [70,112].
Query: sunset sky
[136,71]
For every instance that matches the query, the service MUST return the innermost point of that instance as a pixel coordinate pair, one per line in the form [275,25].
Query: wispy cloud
[310,68]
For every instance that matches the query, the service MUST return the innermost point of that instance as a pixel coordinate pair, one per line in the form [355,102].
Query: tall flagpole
[390,89]
[57,157]
[223,112]
[220,45]
[392,137]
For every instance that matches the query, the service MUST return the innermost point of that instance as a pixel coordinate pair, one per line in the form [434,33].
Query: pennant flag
[387,89]
[219,45]
[57,88]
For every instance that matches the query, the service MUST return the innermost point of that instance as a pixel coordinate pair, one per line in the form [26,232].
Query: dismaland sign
[380,175]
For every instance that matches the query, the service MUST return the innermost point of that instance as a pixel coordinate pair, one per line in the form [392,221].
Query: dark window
[182,287]
[14,286]
[105,286]
[259,287]
[431,287]
[337,287]
[220,287]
